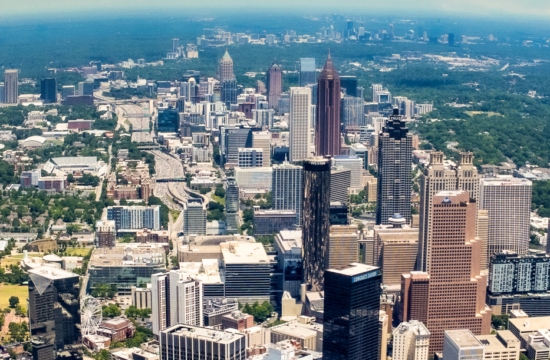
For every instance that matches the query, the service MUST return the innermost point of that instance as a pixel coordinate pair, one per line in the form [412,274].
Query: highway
[136,115]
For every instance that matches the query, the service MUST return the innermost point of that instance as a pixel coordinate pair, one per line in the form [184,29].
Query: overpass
[174,179]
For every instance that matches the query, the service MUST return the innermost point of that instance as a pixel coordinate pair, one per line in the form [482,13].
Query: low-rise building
[237,320]
[215,309]
[118,329]
[141,297]
[308,333]
[267,222]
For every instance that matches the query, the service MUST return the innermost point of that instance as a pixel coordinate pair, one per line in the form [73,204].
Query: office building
[383,335]
[232,206]
[340,184]
[348,84]
[250,157]
[308,72]
[48,90]
[225,70]
[105,233]
[462,345]
[327,123]
[438,176]
[315,221]
[228,91]
[160,295]
[304,331]
[455,296]
[343,245]
[30,178]
[510,273]
[355,165]
[86,88]
[411,341]
[237,320]
[192,342]
[508,201]
[142,297]
[274,85]
[263,117]
[54,311]
[352,112]
[375,89]
[254,178]
[394,171]
[247,271]
[262,140]
[287,187]
[168,120]
[503,345]
[125,266]
[300,124]
[135,217]
[215,309]
[233,140]
[2,92]
[67,90]
[288,244]
[268,222]
[351,326]
[194,217]
[339,213]
[11,86]
[186,298]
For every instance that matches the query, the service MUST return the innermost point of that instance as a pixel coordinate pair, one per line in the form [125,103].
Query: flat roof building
[462,345]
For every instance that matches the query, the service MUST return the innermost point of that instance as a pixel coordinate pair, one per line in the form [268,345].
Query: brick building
[154,236]
[117,329]
[237,320]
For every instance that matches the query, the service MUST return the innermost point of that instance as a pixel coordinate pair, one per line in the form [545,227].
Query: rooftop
[355,269]
[51,273]
[201,333]
[463,338]
[207,271]
[531,324]
[128,256]
[494,343]
[243,253]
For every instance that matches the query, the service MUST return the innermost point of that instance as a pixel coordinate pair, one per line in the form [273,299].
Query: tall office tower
[315,221]
[348,84]
[482,232]
[274,85]
[463,345]
[355,165]
[105,233]
[351,315]
[300,123]
[262,140]
[194,217]
[175,45]
[375,89]
[340,183]
[54,305]
[2,92]
[287,186]
[308,71]
[228,92]
[383,335]
[394,171]
[508,201]
[359,92]
[168,120]
[439,176]
[263,117]
[411,341]
[343,245]
[48,90]
[233,140]
[160,302]
[456,292]
[225,71]
[67,90]
[11,86]
[186,295]
[352,112]
[232,206]
[327,123]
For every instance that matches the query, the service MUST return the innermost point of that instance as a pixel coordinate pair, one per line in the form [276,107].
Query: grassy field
[218,199]
[77,251]
[489,113]
[7,291]
[175,214]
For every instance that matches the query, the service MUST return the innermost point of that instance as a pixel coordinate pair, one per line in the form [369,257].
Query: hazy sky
[492,8]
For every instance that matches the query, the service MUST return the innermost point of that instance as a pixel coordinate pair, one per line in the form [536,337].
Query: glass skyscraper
[168,120]
[308,73]
[351,312]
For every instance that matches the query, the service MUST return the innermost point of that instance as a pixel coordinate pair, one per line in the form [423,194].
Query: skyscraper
[262,140]
[232,205]
[186,296]
[168,120]
[315,221]
[2,92]
[160,302]
[327,124]
[394,171]
[11,86]
[194,217]
[508,201]
[226,68]
[48,90]
[274,85]
[228,92]
[308,72]
[175,44]
[287,187]
[351,312]
[54,306]
[349,84]
[440,176]
[456,286]
[300,123]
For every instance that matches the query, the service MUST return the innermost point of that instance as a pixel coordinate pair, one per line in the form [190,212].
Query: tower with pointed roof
[226,68]
[327,124]
[274,85]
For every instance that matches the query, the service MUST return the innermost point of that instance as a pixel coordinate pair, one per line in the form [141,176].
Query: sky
[481,8]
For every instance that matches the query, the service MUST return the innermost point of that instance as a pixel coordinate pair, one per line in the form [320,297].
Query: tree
[14,300]
[220,191]
[111,311]
[16,223]
[70,178]
[123,202]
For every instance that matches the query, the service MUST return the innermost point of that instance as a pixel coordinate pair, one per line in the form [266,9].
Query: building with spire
[274,85]
[327,124]
[394,171]
[225,70]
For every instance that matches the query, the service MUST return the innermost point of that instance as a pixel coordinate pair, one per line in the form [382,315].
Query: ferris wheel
[91,315]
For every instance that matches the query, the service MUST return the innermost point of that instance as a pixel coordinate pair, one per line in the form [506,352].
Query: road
[100,186]
[139,119]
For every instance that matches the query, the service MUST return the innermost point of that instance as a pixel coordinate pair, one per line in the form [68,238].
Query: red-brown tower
[327,124]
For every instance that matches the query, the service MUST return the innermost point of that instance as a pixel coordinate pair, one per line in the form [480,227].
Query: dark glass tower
[349,83]
[394,171]
[48,90]
[54,310]
[228,92]
[327,124]
[168,120]
[315,221]
[351,315]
